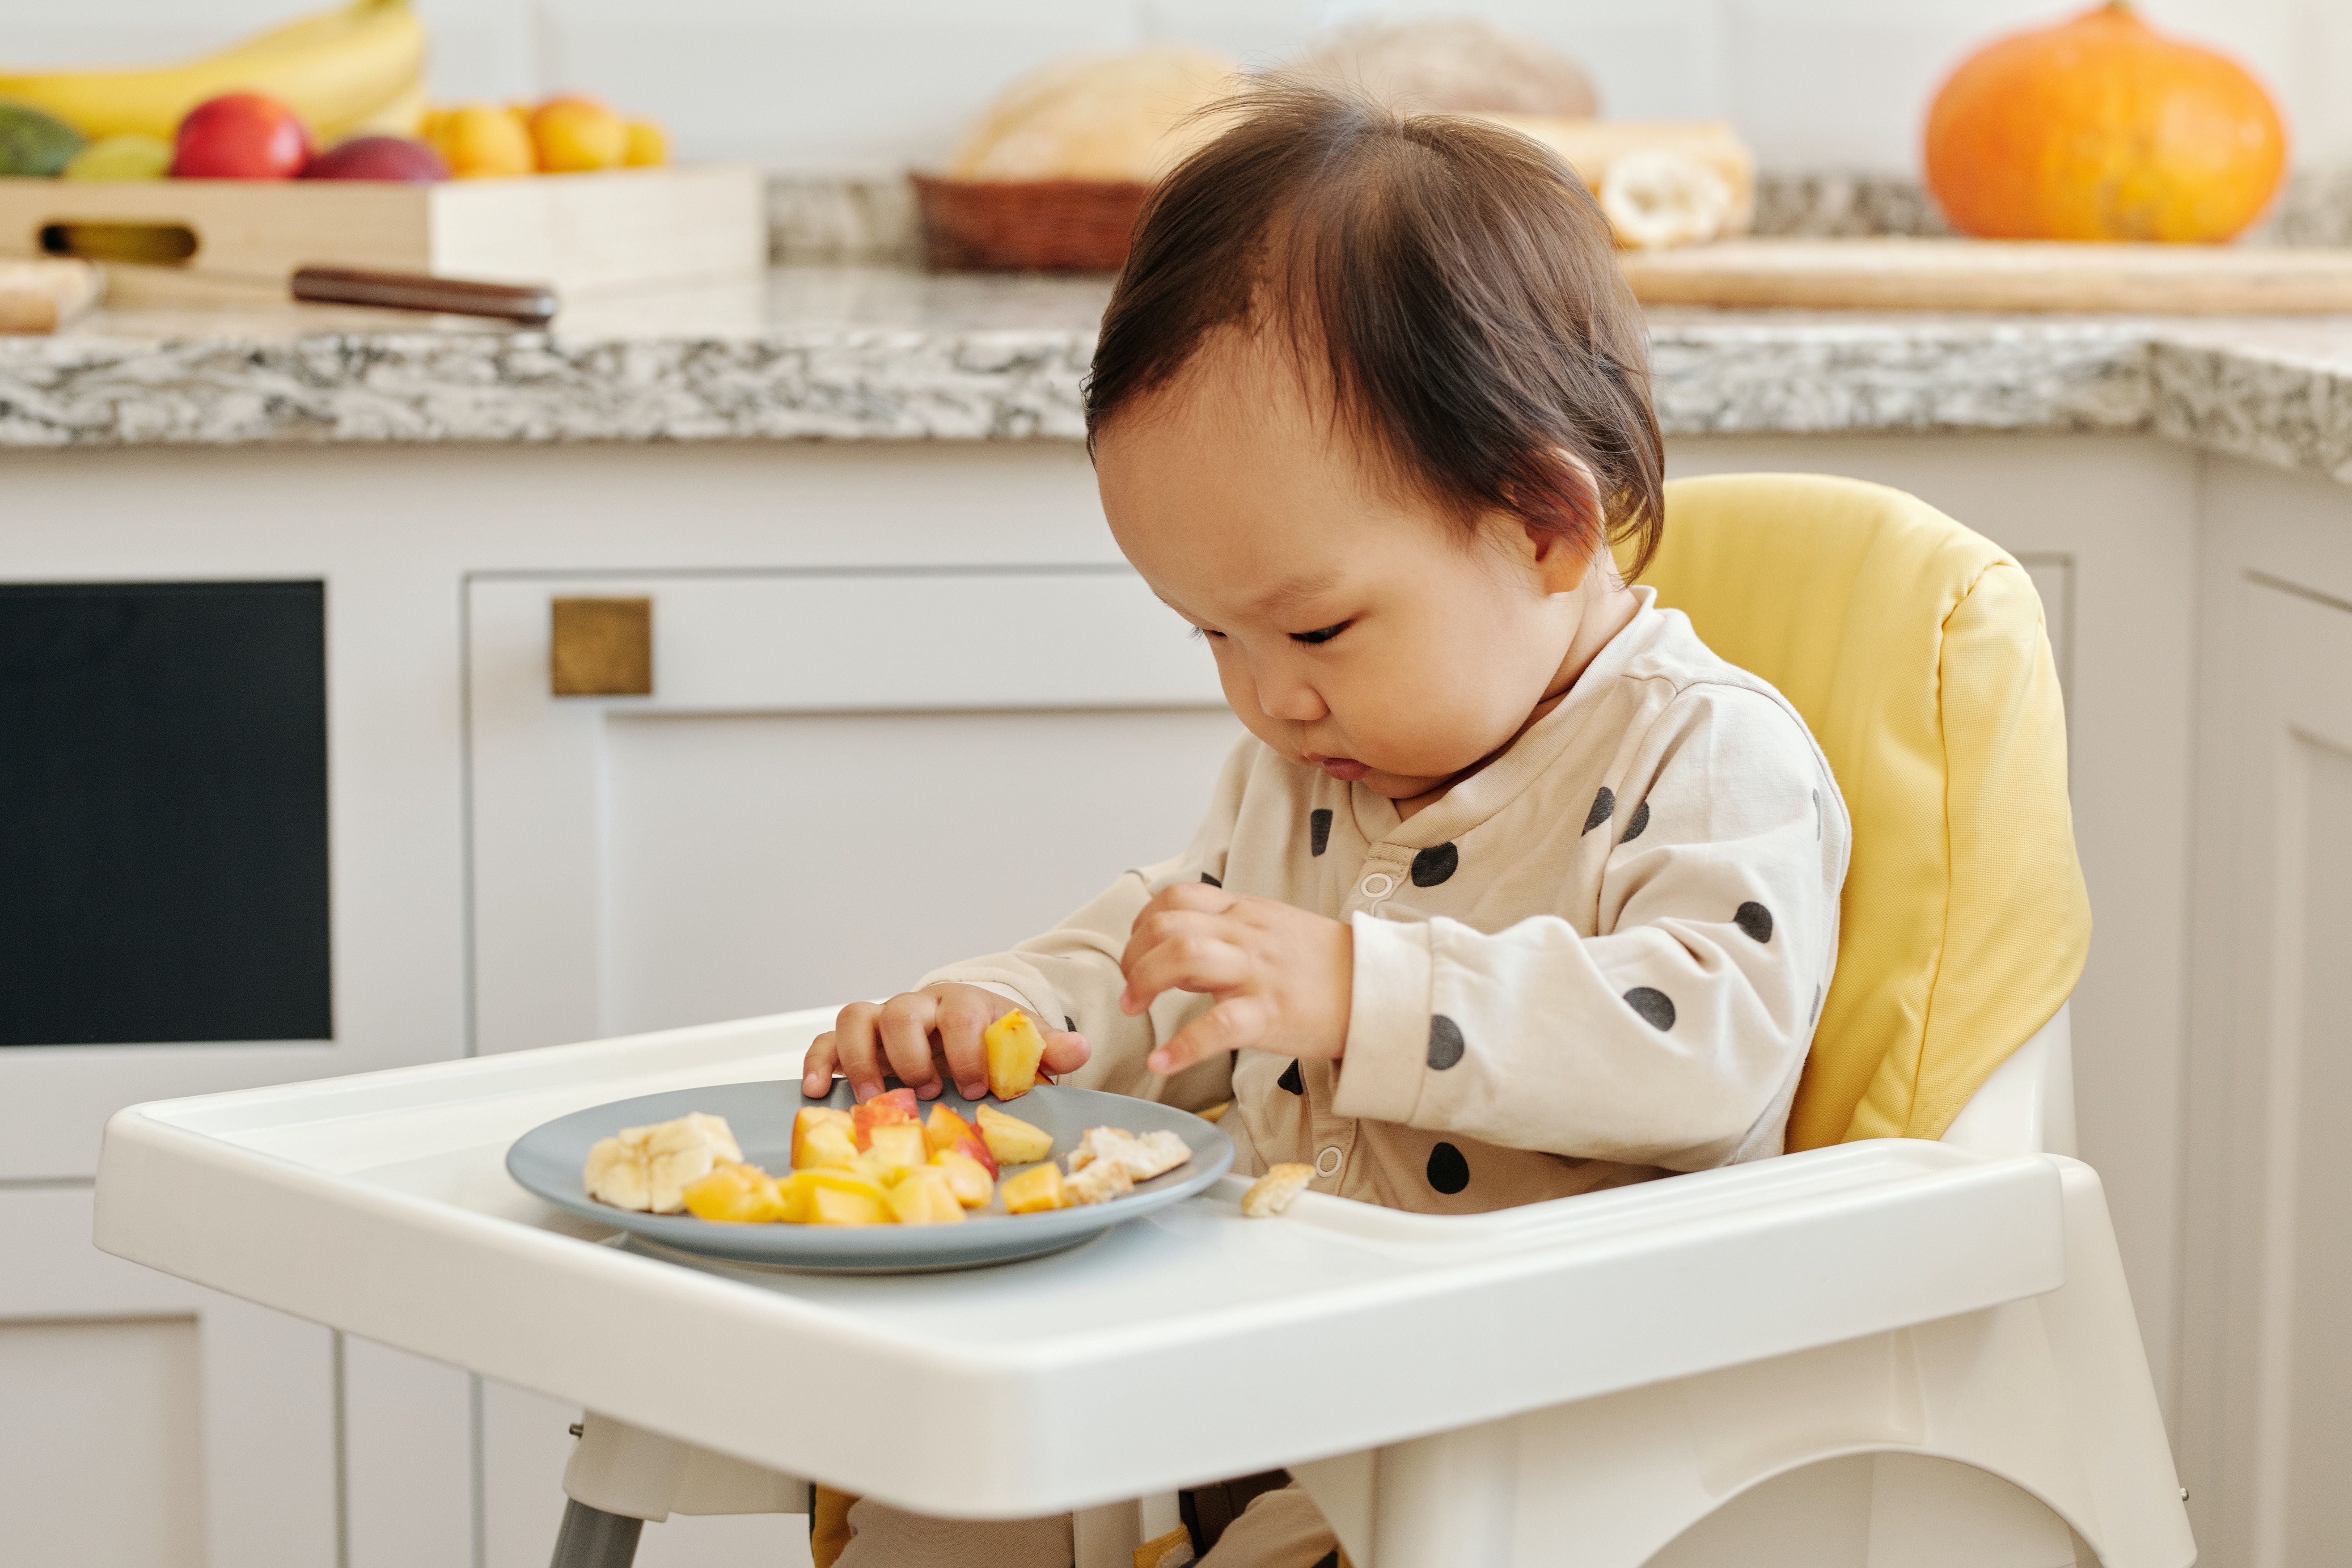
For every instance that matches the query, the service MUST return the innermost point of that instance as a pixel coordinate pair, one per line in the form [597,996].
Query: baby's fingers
[965,1012]
[1066,1051]
[1242,1023]
[849,1048]
[1188,962]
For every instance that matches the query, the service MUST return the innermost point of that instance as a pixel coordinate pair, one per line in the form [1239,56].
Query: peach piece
[1012,1140]
[822,1136]
[1033,1190]
[967,1177]
[1014,1049]
[882,1111]
[735,1194]
[837,1197]
[921,1196]
[898,1147]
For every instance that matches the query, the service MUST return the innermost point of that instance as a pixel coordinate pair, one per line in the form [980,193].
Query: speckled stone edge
[1751,377]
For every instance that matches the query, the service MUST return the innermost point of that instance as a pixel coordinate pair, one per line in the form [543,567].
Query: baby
[1514,889]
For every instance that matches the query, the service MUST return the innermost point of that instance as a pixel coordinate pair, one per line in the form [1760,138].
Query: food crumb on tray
[1276,1191]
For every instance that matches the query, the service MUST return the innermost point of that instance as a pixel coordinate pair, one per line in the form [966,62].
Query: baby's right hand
[925,1038]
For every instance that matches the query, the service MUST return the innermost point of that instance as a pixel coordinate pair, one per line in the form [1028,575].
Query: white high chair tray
[381,1204]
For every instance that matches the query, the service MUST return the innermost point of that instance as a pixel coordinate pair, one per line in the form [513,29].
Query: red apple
[378,158]
[943,1129]
[241,136]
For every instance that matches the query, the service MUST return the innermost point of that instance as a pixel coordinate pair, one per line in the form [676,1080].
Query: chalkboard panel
[162,812]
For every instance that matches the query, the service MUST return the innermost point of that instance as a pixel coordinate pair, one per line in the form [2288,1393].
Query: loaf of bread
[1449,65]
[1128,117]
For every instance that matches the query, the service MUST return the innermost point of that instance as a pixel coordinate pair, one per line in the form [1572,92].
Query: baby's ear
[1564,537]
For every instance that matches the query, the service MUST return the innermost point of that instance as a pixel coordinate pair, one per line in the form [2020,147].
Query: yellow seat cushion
[1915,650]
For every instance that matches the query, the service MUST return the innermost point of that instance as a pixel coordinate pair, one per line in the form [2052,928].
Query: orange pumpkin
[2101,129]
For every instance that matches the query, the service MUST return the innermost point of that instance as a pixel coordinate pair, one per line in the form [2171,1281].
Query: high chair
[1905,1343]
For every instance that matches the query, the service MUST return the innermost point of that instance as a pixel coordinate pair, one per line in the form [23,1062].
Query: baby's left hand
[1282,977]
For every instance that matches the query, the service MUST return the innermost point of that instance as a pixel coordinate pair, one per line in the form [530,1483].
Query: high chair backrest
[1915,650]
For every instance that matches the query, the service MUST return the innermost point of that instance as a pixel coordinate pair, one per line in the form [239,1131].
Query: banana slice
[1659,196]
[649,1168]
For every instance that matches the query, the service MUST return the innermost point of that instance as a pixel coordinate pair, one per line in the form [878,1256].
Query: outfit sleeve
[1069,976]
[1674,1036]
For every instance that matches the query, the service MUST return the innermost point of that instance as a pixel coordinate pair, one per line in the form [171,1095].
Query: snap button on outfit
[1379,885]
[1326,1163]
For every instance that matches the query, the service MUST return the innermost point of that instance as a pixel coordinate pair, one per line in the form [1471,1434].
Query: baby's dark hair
[1456,279]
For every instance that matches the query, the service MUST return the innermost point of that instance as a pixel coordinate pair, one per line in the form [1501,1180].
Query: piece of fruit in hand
[736,1194]
[822,1139]
[967,1177]
[1032,1192]
[1099,1182]
[1014,1049]
[922,1197]
[649,1168]
[943,1129]
[1012,1140]
[885,1109]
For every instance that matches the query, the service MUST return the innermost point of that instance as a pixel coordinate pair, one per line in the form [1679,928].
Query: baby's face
[1355,629]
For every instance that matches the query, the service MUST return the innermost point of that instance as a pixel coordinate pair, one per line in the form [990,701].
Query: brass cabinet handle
[600,647]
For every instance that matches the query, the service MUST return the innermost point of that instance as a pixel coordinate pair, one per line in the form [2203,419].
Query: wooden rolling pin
[42,296]
[1995,275]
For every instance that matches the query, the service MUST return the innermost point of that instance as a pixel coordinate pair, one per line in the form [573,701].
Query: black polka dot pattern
[1603,805]
[1755,919]
[1210,881]
[1329,1560]
[1069,1023]
[1291,1080]
[1444,1042]
[1635,829]
[1435,864]
[1318,830]
[1654,1006]
[1449,1172]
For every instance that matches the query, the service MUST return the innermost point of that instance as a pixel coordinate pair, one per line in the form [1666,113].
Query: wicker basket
[1047,226]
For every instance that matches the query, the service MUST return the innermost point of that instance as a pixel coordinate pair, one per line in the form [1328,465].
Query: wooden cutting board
[1994,275]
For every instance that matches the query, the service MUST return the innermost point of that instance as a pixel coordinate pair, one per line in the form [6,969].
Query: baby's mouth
[1346,769]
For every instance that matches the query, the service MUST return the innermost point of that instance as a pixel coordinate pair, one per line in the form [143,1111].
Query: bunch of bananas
[357,69]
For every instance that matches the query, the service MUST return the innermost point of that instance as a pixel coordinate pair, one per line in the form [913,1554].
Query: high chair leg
[592,1538]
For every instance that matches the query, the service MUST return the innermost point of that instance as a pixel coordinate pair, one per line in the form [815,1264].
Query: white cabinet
[2266,1417]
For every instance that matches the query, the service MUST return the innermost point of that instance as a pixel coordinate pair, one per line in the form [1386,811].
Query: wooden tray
[583,234]
[1994,275]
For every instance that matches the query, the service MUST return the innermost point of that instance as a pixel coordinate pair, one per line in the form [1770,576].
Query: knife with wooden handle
[526,304]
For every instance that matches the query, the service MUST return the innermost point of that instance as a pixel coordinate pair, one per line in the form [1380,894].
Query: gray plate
[548,1160]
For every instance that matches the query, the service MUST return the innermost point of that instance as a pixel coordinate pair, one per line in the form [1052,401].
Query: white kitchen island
[837,493]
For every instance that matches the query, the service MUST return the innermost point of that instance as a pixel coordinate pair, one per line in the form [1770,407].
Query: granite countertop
[883,353]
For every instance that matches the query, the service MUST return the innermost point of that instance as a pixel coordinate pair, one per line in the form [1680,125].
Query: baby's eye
[1326,635]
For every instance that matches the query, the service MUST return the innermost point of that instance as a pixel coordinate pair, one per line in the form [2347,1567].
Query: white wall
[821,86]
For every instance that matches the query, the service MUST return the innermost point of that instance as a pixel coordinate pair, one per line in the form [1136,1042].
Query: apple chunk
[1013,1140]
[1014,1049]
[967,1177]
[822,1136]
[882,1111]
[1032,1192]
[736,1194]
[898,1147]
[943,1129]
[922,1197]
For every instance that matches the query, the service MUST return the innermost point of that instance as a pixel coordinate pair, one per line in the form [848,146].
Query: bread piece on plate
[1099,1182]
[1153,1154]
[1274,1191]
